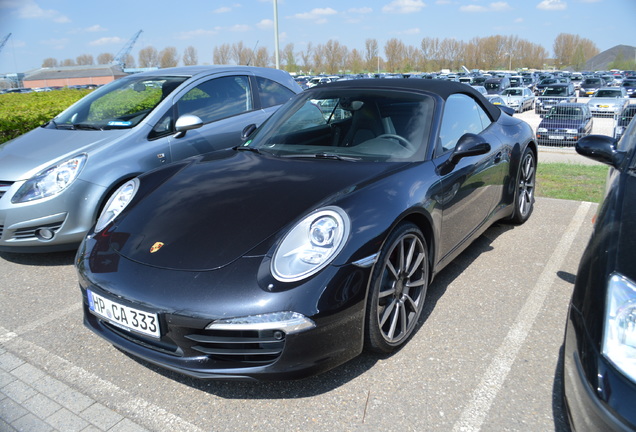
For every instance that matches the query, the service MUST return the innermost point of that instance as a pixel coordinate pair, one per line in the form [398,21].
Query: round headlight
[117,203]
[311,244]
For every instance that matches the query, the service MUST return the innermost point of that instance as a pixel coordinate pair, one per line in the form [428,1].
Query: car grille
[253,346]
[4,187]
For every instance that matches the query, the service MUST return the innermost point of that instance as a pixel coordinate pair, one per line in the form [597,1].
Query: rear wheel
[524,187]
[398,289]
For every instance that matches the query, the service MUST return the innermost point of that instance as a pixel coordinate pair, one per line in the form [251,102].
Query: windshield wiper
[86,126]
[323,155]
[248,148]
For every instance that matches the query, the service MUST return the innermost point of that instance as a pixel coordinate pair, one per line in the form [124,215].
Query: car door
[473,188]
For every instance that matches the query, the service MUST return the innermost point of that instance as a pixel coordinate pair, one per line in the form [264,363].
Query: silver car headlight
[117,203]
[311,245]
[51,181]
[619,335]
[288,322]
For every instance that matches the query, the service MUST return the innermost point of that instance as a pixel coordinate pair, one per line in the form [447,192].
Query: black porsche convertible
[313,239]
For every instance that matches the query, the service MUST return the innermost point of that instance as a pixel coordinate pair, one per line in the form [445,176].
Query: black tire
[398,289]
[524,187]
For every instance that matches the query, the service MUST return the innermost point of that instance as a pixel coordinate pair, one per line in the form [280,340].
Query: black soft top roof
[442,88]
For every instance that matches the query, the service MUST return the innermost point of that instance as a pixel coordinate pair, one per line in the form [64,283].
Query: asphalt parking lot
[486,356]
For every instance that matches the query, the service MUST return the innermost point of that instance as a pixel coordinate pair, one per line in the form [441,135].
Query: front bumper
[603,404]
[55,223]
[187,302]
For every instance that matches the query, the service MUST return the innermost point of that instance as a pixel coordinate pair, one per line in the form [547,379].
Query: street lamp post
[276,55]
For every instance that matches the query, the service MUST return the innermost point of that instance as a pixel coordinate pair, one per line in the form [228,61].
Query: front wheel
[524,187]
[398,289]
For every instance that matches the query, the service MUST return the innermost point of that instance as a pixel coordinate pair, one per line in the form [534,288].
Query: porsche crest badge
[155,247]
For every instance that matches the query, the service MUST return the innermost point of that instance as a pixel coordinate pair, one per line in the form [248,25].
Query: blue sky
[68,28]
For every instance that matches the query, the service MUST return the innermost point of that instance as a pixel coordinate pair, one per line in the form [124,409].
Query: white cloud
[30,10]
[492,7]
[552,5]
[317,14]
[404,6]
[107,41]
[240,28]
[94,29]
[265,24]
[192,34]
[222,10]
[362,10]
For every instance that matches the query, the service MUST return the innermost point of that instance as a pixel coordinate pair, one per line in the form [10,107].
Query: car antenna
[253,52]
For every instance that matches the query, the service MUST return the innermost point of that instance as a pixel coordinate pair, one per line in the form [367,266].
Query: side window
[461,115]
[272,93]
[217,98]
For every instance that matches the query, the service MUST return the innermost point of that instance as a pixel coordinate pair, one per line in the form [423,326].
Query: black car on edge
[315,238]
[600,340]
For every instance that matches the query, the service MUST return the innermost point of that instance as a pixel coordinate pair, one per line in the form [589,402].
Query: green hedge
[21,112]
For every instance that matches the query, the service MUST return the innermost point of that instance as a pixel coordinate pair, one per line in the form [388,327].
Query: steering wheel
[400,139]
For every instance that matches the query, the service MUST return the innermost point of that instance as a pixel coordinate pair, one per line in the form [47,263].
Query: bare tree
[371,53]
[334,55]
[85,60]
[190,57]
[306,56]
[49,62]
[222,54]
[394,50]
[261,57]
[105,58]
[68,62]
[289,58]
[355,62]
[430,53]
[318,59]
[240,53]
[168,57]
[148,57]
[568,48]
[129,61]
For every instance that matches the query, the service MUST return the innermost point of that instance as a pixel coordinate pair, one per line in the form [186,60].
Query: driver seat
[365,125]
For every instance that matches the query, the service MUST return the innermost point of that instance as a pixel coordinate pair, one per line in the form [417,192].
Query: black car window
[461,115]
[272,93]
[217,98]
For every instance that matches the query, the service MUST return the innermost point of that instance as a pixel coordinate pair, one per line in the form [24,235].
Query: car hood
[225,205]
[28,154]
[607,101]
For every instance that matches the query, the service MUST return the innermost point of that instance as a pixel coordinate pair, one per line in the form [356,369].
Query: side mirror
[468,145]
[507,110]
[185,123]
[600,148]
[247,131]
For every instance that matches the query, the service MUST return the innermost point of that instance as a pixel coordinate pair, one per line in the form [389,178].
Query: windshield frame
[77,116]
[267,138]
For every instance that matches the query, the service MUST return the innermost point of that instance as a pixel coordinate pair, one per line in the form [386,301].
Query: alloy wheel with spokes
[524,196]
[399,285]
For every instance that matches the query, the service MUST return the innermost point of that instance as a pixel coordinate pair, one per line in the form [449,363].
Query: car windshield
[349,125]
[570,113]
[592,81]
[512,92]
[629,83]
[119,105]
[608,93]
[555,91]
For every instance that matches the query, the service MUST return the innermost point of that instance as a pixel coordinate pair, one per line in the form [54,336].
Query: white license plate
[556,137]
[123,316]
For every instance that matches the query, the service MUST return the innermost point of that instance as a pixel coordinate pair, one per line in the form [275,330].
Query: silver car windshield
[351,125]
[121,104]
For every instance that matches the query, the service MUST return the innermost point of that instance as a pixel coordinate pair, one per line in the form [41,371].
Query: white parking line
[474,414]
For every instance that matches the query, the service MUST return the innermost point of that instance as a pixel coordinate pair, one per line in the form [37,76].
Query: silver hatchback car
[55,179]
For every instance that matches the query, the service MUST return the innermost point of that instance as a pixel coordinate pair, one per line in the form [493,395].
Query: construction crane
[122,55]
[4,41]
